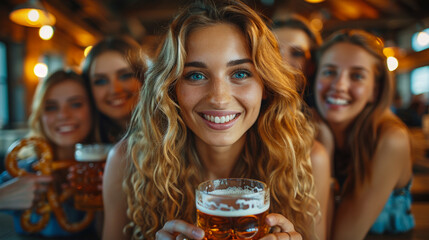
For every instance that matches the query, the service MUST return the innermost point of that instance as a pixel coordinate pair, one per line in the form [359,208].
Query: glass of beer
[88,175]
[232,208]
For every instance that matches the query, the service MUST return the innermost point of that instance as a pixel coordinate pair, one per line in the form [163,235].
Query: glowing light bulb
[423,38]
[46,32]
[33,15]
[87,50]
[392,63]
[314,1]
[40,70]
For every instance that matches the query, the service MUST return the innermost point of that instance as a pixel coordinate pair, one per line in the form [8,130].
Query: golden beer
[232,209]
[89,170]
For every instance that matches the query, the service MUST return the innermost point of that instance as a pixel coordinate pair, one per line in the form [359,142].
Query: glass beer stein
[87,181]
[233,208]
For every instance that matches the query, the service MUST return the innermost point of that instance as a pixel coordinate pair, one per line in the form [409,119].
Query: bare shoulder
[394,137]
[319,155]
[117,153]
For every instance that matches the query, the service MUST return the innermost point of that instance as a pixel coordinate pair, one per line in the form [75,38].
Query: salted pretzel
[50,202]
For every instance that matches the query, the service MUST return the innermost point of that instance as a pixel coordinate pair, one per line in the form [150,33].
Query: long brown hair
[363,134]
[106,130]
[164,167]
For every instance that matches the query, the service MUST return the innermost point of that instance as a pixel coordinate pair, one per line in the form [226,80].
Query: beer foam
[246,202]
[92,153]
[233,213]
[233,191]
[90,157]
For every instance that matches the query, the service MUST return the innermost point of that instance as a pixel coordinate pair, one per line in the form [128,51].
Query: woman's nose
[115,85]
[341,82]
[64,112]
[219,92]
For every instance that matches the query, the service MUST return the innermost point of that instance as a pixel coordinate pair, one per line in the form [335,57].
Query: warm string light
[46,32]
[32,14]
[40,70]
[391,61]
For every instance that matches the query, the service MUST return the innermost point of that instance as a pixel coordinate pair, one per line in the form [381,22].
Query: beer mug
[232,208]
[89,169]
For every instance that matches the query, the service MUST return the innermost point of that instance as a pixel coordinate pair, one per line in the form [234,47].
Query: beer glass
[232,208]
[88,175]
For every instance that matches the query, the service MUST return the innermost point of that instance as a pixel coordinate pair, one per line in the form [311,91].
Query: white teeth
[217,119]
[117,102]
[337,101]
[67,128]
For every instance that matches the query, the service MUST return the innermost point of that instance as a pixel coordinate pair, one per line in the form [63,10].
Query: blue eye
[76,105]
[357,76]
[101,81]
[51,108]
[241,74]
[328,72]
[195,76]
[126,76]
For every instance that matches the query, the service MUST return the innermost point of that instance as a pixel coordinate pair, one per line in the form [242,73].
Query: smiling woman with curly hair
[217,103]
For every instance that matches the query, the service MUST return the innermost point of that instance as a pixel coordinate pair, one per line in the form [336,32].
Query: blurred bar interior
[38,37]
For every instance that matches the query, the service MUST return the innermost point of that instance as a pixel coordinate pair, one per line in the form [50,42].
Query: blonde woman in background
[61,114]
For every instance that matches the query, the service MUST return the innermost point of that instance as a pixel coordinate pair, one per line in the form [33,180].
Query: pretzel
[50,202]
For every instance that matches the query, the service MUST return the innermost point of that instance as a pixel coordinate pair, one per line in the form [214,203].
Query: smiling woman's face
[113,85]
[66,115]
[345,83]
[220,91]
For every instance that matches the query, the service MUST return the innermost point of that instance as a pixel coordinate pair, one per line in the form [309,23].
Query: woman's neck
[339,132]
[219,161]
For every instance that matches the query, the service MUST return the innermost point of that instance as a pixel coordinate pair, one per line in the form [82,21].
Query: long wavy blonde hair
[164,167]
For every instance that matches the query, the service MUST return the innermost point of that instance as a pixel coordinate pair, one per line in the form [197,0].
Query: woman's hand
[21,192]
[179,229]
[281,228]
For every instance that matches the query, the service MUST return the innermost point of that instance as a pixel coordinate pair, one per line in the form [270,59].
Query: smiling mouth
[66,128]
[117,102]
[220,119]
[337,101]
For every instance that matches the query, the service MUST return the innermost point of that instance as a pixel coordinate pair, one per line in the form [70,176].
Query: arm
[321,166]
[357,212]
[21,192]
[115,202]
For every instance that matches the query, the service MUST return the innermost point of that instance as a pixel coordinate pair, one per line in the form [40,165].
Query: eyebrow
[330,65]
[229,64]
[71,99]
[121,70]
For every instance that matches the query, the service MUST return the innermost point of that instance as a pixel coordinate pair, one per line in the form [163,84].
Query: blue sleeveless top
[396,215]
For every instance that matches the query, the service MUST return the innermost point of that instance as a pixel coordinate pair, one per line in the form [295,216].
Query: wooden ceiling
[89,20]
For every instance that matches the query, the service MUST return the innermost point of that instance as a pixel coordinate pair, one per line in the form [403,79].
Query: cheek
[46,119]
[251,97]
[362,93]
[321,86]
